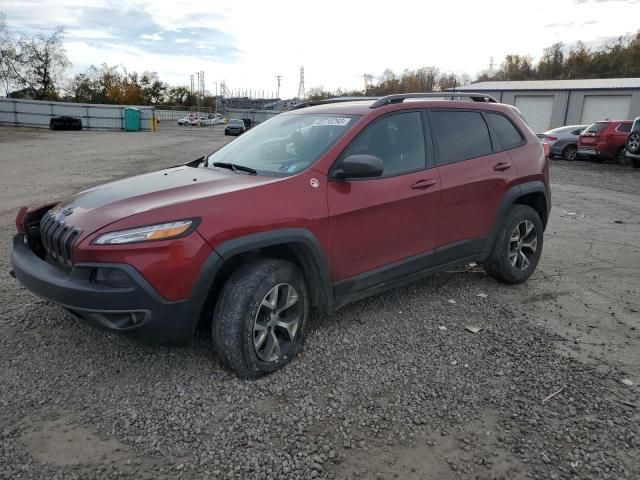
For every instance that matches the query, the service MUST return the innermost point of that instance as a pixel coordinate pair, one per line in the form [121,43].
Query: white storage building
[548,104]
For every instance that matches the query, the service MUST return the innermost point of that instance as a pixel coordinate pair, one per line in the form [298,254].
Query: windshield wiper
[235,167]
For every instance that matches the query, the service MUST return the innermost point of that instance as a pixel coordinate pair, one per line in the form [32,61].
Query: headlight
[161,231]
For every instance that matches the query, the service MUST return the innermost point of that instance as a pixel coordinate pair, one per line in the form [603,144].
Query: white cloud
[337,41]
[155,37]
[88,34]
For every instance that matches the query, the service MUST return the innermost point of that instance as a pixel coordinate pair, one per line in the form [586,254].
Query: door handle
[424,183]
[498,167]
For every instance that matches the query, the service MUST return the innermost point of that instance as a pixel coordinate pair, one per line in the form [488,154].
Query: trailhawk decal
[331,122]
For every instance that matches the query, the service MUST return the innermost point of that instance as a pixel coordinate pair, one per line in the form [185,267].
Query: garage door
[536,111]
[603,107]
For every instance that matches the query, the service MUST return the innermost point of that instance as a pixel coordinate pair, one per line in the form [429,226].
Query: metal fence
[37,113]
[166,115]
[256,116]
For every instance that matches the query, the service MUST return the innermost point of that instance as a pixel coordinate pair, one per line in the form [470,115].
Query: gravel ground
[389,387]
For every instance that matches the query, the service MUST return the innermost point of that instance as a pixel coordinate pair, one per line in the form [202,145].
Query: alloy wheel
[523,244]
[276,322]
[570,153]
[634,143]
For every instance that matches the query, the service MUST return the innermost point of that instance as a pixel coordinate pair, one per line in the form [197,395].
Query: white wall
[37,113]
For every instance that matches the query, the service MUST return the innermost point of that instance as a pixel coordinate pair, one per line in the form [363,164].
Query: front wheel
[518,246]
[259,321]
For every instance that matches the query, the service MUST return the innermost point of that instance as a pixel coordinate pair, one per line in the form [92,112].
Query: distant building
[548,104]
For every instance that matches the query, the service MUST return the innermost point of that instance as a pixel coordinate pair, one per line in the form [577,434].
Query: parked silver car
[563,141]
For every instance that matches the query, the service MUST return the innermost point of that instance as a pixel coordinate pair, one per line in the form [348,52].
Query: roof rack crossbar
[401,97]
[326,101]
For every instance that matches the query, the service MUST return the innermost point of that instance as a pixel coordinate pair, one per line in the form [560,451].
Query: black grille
[58,238]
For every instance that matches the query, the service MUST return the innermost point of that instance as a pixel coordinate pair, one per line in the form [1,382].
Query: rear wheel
[633,143]
[621,158]
[570,152]
[518,247]
[259,321]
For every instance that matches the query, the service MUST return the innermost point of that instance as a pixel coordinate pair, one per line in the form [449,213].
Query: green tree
[552,64]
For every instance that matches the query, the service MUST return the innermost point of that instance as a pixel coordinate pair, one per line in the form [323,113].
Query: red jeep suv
[605,140]
[319,206]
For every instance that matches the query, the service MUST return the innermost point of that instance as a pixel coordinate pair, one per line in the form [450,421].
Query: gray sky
[248,43]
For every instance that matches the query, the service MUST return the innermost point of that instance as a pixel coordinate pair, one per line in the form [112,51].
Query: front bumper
[137,311]
[632,155]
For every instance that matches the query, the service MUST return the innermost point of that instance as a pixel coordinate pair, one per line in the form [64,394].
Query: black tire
[241,306]
[621,158]
[633,143]
[570,153]
[498,264]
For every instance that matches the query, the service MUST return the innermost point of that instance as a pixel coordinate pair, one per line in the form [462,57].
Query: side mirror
[359,166]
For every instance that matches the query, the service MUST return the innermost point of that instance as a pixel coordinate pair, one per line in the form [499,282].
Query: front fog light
[111,277]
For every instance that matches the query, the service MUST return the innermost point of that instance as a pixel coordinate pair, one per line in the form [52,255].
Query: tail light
[551,138]
[545,147]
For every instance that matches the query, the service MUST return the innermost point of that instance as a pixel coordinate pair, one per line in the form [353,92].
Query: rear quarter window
[624,127]
[508,135]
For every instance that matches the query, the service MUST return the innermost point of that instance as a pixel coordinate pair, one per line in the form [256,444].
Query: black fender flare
[509,199]
[305,246]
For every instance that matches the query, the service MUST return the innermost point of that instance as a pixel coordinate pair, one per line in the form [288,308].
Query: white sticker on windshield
[331,122]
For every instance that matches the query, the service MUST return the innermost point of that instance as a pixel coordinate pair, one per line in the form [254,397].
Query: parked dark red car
[605,140]
[314,208]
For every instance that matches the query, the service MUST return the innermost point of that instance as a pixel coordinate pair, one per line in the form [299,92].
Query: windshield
[285,144]
[235,121]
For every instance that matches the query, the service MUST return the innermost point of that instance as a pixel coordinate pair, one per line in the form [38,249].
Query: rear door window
[508,135]
[597,127]
[459,135]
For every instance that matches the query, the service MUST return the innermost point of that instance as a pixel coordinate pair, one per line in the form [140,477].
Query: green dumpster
[131,119]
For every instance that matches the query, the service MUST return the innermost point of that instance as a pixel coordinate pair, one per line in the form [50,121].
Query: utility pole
[301,91]
[198,94]
[191,92]
[215,99]
[491,65]
[279,77]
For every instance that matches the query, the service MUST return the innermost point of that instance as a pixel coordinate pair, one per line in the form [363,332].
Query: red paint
[20,228]
[606,142]
[361,225]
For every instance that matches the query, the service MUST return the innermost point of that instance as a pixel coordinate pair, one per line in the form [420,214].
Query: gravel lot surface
[390,387]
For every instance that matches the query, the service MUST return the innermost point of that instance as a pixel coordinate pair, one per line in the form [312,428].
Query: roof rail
[311,103]
[401,97]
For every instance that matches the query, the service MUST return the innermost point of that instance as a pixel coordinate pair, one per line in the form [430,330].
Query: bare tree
[7,56]
[40,64]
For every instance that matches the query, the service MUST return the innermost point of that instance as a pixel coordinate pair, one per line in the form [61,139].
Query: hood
[100,206]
